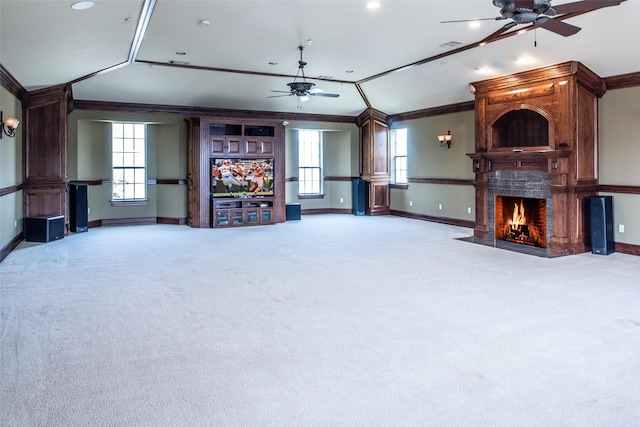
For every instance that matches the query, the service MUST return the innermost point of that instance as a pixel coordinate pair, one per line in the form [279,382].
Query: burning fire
[519,218]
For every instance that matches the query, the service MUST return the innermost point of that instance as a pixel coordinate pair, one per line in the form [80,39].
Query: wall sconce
[9,126]
[445,139]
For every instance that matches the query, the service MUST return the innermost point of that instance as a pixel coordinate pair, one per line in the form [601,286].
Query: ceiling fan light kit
[302,88]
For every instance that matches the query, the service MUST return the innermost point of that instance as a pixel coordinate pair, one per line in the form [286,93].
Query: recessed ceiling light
[521,59]
[499,64]
[181,53]
[474,24]
[373,5]
[82,5]
[273,63]
[204,23]
[349,71]
[481,69]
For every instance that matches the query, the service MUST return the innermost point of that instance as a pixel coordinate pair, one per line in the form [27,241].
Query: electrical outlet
[621,228]
[88,210]
[440,206]
[469,209]
[15,224]
[341,200]
[410,202]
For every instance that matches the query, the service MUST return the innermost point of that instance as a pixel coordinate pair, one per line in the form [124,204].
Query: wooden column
[45,152]
[374,155]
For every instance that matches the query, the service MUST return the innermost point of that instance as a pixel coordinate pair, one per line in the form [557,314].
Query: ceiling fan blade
[303,98]
[558,27]
[497,18]
[498,33]
[326,95]
[585,6]
[278,96]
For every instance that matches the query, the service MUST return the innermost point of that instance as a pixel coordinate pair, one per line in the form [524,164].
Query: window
[310,162]
[399,155]
[129,162]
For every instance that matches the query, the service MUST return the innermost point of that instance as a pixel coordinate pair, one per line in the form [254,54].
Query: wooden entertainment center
[253,141]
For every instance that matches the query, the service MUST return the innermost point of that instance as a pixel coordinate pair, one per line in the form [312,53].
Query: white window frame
[310,179]
[128,162]
[399,156]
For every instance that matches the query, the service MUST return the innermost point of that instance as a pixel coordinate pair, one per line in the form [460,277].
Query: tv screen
[241,177]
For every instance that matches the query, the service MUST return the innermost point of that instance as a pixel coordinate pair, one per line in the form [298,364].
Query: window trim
[394,157]
[142,201]
[319,168]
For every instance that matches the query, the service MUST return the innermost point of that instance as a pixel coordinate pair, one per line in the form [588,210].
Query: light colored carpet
[334,320]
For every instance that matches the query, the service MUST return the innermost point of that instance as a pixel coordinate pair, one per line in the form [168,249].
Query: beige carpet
[334,320]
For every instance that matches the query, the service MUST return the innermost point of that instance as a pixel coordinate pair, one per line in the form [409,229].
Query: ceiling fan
[540,13]
[302,88]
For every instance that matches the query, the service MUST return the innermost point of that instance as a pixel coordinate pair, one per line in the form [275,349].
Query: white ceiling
[45,43]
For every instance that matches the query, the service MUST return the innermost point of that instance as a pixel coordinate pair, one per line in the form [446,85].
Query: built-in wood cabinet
[239,140]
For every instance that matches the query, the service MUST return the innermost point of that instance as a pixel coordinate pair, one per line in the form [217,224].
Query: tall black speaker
[601,210]
[78,208]
[359,196]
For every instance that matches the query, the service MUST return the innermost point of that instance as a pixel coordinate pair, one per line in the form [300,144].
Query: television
[241,177]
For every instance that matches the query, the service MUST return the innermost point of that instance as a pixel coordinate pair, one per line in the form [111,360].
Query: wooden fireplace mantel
[541,120]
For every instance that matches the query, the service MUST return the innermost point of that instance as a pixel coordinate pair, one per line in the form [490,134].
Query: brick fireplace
[535,159]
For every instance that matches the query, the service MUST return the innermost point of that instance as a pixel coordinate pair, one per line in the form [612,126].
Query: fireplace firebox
[521,220]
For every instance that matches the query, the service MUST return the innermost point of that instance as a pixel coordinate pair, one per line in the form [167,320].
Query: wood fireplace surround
[537,137]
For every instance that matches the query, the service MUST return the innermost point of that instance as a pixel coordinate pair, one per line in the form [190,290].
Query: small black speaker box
[601,210]
[78,208]
[293,211]
[44,228]
[359,197]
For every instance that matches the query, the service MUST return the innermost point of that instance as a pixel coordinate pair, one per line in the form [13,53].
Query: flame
[519,217]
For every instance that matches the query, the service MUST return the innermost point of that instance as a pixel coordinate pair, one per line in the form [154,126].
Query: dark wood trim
[441,181]
[144,202]
[339,178]
[12,85]
[363,95]
[236,71]
[434,111]
[207,112]
[130,221]
[172,221]
[620,189]
[95,223]
[325,211]
[627,248]
[310,196]
[171,181]
[88,181]
[292,179]
[10,190]
[441,220]
[9,247]
[622,81]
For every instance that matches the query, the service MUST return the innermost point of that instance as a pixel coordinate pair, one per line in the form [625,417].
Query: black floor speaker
[359,196]
[601,210]
[44,228]
[78,208]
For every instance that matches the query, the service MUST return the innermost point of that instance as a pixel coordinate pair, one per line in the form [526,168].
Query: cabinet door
[225,145]
[216,145]
[253,216]
[258,146]
[237,217]
[266,216]
[222,218]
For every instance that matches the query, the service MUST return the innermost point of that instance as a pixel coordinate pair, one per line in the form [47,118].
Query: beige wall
[340,159]
[89,159]
[10,171]
[426,159]
[619,155]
